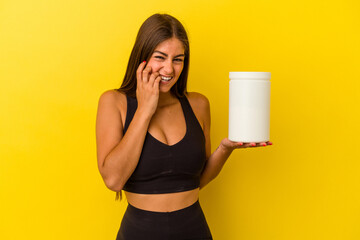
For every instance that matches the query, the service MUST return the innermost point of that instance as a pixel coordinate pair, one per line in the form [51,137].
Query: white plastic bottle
[249,106]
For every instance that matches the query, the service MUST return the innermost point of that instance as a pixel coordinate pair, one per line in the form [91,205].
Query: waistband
[144,213]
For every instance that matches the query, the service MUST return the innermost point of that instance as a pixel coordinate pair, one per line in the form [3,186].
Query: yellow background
[57,57]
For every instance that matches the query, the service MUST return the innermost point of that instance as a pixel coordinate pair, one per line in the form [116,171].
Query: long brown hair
[156,29]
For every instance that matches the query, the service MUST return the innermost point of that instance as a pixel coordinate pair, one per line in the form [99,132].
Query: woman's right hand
[147,90]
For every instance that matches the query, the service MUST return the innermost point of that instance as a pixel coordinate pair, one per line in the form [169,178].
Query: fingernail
[144,61]
[241,144]
[263,144]
[253,144]
[269,143]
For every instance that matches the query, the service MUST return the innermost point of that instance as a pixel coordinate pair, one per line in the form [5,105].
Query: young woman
[153,138]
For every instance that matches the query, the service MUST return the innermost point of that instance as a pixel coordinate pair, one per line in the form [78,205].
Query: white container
[249,106]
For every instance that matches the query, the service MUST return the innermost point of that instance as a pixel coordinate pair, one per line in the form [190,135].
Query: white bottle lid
[250,75]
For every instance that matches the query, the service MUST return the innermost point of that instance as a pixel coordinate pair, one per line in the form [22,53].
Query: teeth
[165,78]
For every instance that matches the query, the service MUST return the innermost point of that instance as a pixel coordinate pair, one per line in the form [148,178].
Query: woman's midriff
[166,202]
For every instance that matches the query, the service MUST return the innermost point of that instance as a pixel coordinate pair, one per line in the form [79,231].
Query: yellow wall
[57,57]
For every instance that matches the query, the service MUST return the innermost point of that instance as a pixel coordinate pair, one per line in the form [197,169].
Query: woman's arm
[118,155]
[216,161]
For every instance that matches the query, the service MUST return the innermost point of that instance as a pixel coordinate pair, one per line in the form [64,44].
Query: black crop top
[166,168]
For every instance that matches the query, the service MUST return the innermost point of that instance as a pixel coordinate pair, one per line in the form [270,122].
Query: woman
[153,138]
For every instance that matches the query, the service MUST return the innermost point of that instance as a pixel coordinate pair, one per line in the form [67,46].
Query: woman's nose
[168,67]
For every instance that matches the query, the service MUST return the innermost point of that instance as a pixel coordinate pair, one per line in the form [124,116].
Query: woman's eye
[178,60]
[160,57]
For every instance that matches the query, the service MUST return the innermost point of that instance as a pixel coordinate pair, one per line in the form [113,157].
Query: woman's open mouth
[166,79]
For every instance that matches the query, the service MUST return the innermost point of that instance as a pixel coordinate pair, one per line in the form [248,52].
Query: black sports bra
[166,168]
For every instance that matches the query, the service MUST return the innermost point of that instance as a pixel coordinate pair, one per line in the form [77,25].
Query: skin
[160,114]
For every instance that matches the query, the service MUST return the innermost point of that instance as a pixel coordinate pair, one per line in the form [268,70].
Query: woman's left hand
[230,145]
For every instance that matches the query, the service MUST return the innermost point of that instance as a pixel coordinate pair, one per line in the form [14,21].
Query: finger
[146,73]
[263,144]
[247,145]
[157,82]
[269,143]
[152,78]
[139,71]
[239,145]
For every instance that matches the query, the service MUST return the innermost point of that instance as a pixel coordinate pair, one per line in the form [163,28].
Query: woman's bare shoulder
[198,101]
[112,94]
[113,97]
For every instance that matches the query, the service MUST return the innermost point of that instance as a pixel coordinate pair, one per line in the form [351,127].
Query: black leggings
[187,223]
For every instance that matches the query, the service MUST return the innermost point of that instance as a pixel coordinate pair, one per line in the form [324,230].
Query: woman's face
[168,60]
